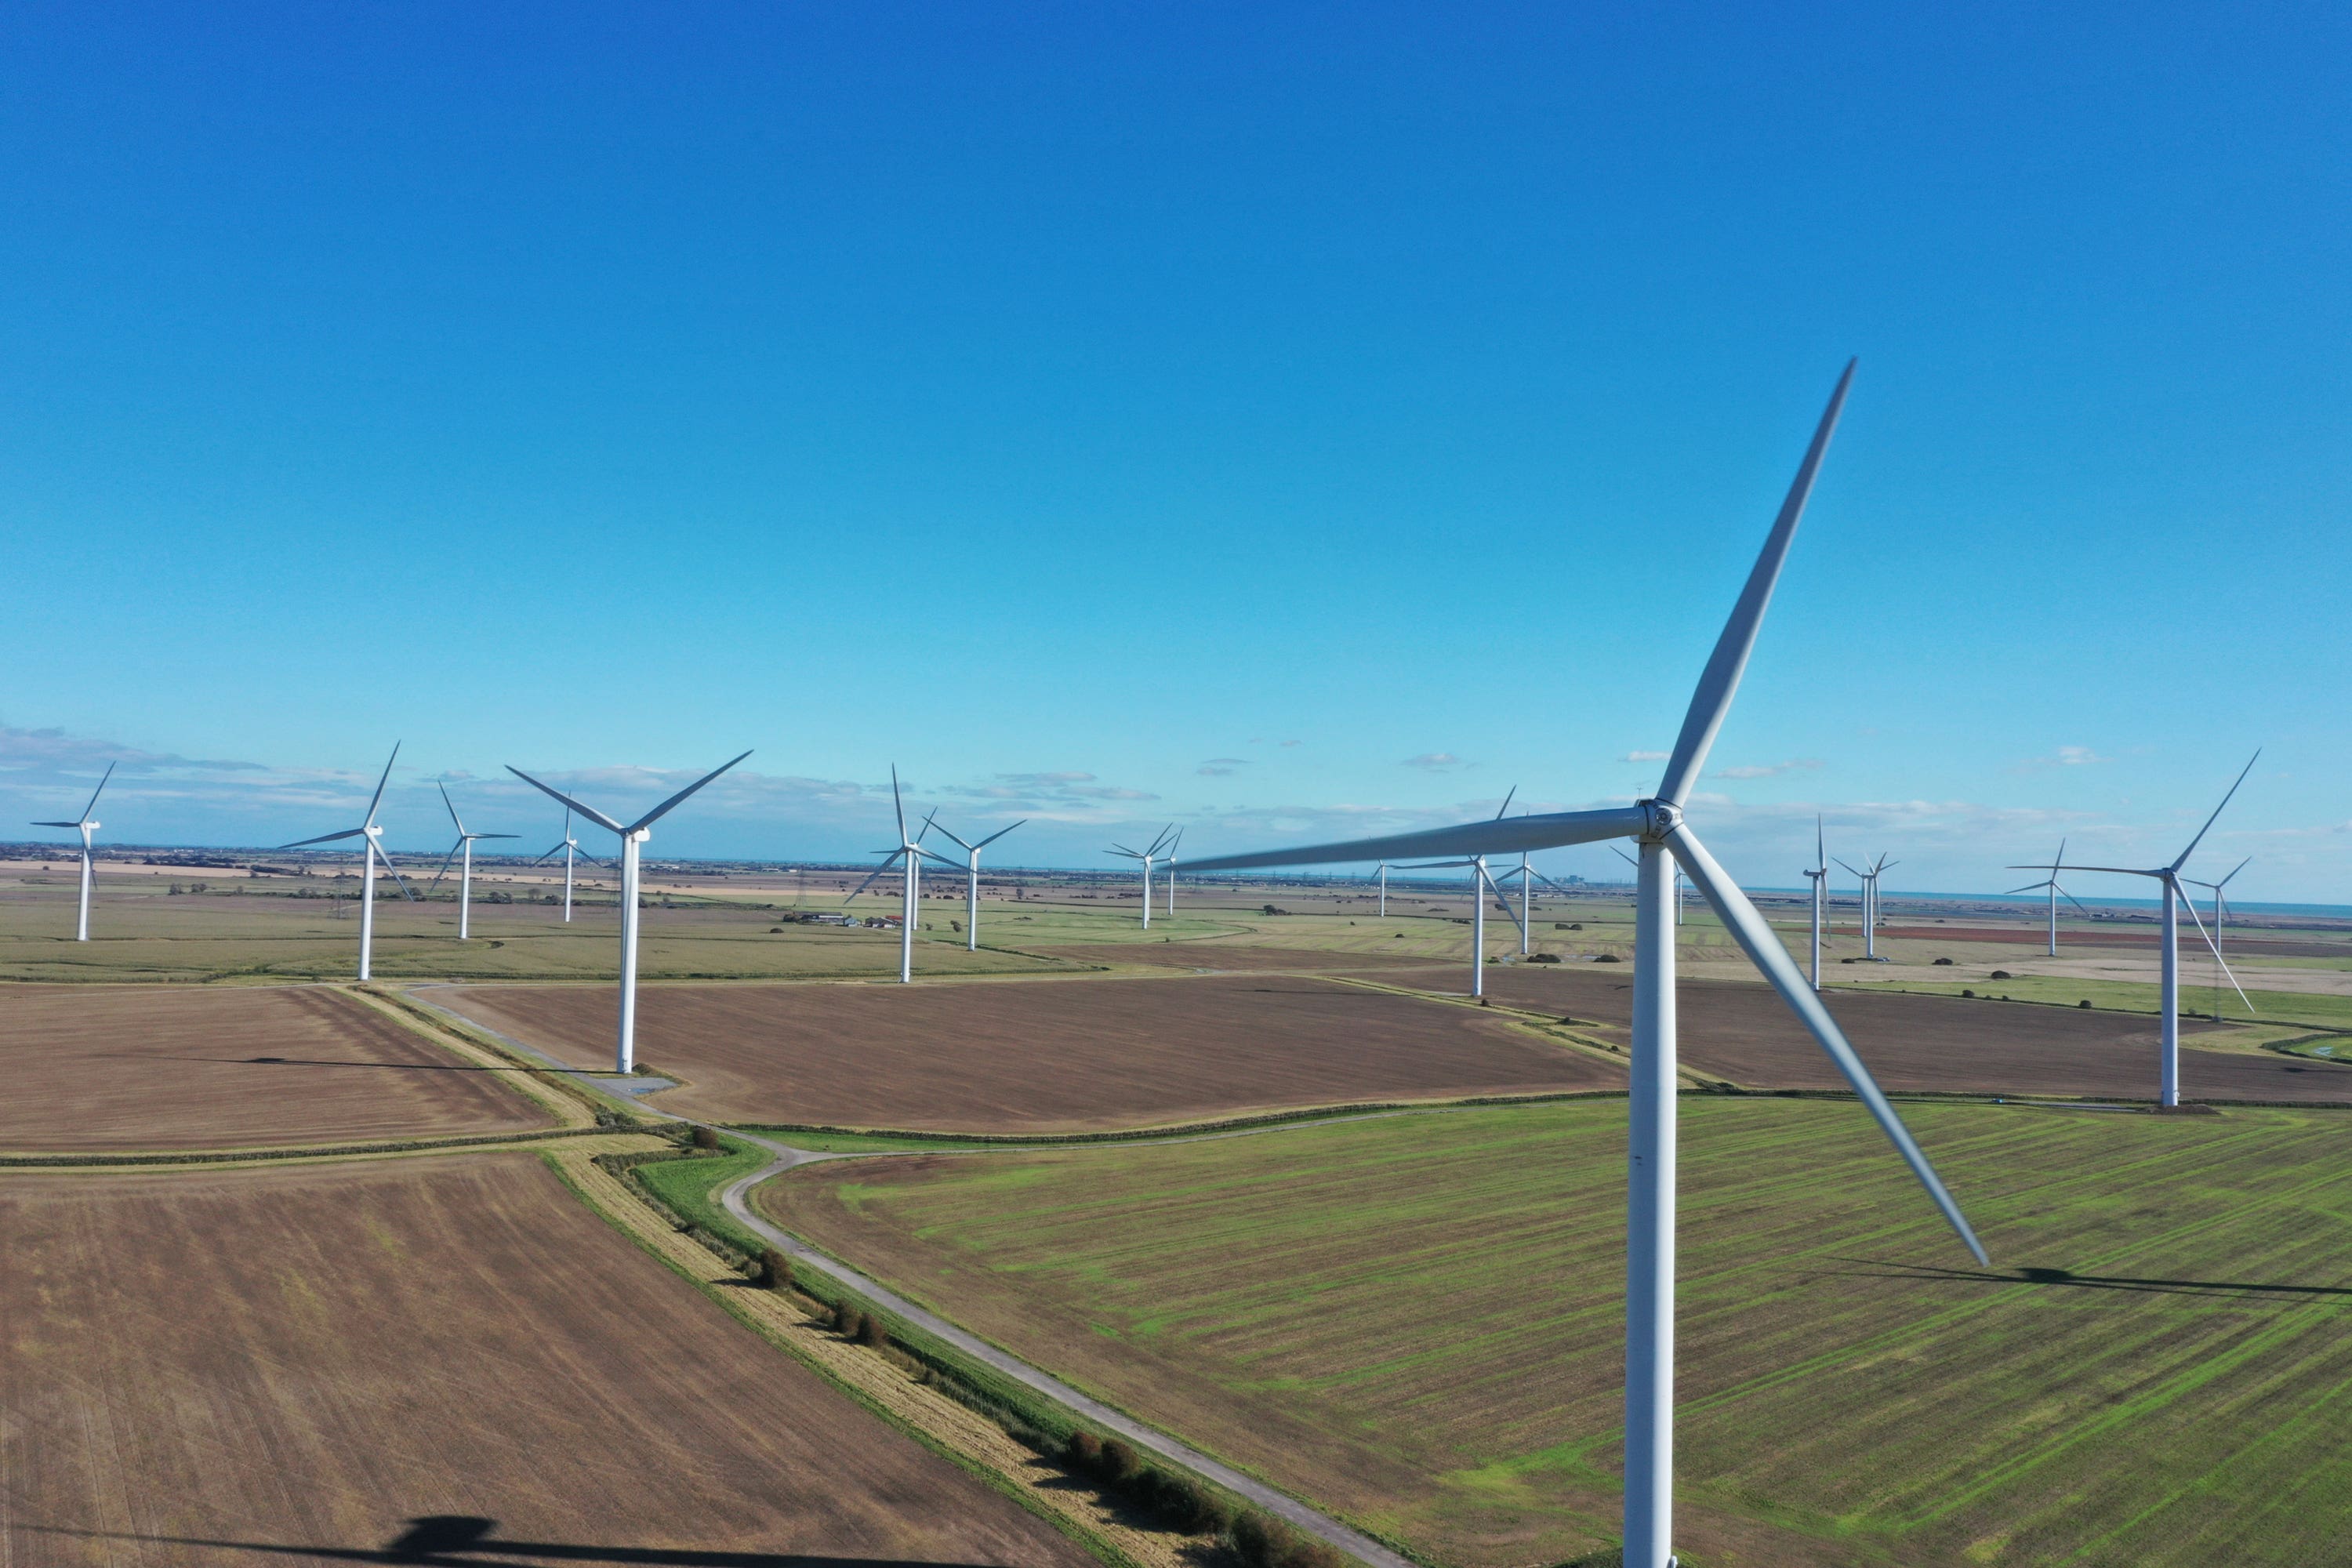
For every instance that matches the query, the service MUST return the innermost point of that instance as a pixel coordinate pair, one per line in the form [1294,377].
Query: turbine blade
[589,812]
[1620,854]
[657,813]
[1497,893]
[1720,681]
[1424,866]
[405,891]
[78,825]
[2029,888]
[991,837]
[2058,863]
[1865,876]
[445,861]
[960,841]
[299,843]
[1548,882]
[95,794]
[2111,870]
[2072,899]
[897,802]
[2217,810]
[494,835]
[1511,794]
[377,798]
[2218,886]
[1546,831]
[875,877]
[452,805]
[549,855]
[2210,943]
[1764,949]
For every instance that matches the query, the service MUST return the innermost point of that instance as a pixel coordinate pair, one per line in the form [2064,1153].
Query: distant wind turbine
[1819,877]
[1662,830]
[570,848]
[1481,885]
[632,840]
[87,826]
[1144,858]
[2056,865]
[1678,881]
[908,854]
[972,883]
[1870,904]
[465,845]
[370,833]
[2220,912]
[1173,845]
[1382,872]
[2169,1061]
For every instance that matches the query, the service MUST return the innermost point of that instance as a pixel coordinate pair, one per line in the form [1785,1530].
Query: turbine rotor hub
[1661,819]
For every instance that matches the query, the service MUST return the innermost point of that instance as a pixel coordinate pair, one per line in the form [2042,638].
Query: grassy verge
[2291,1007]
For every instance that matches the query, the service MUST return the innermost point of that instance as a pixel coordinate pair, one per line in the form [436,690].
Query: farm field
[1417,1321]
[1929,1043]
[455,1337]
[1039,1057]
[182,1066]
[2319,1009]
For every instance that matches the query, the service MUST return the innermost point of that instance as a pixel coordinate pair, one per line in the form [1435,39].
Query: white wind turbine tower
[2168,1062]
[1870,904]
[1481,886]
[972,881]
[632,840]
[1382,872]
[2221,912]
[2056,892]
[1173,845]
[368,831]
[465,845]
[1144,858]
[87,826]
[1819,877]
[570,848]
[1664,833]
[1527,875]
[909,853]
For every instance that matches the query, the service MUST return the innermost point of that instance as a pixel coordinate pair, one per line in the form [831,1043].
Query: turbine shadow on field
[2067,1279]
[465,1541]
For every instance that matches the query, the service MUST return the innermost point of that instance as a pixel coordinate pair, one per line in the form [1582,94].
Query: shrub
[1191,1506]
[2083,1003]
[873,1334]
[1255,1542]
[1082,1453]
[1965,992]
[775,1270]
[847,1320]
[1608,958]
[1943,964]
[1543,958]
[2001,974]
[1120,1463]
[1314,1554]
[705,1138]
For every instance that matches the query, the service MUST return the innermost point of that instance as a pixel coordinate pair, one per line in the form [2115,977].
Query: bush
[847,1320]
[1314,1554]
[2001,974]
[1965,992]
[1255,1542]
[1191,1506]
[1608,958]
[1082,1453]
[873,1334]
[2083,1003]
[705,1138]
[1120,1463]
[1943,964]
[775,1270]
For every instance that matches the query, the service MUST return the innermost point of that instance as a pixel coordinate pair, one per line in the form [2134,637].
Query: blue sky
[1280,420]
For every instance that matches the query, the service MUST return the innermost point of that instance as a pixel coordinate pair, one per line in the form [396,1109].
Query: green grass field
[1417,1321]
[2323,1012]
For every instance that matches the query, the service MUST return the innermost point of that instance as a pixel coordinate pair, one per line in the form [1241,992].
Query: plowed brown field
[1745,1034]
[255,1366]
[164,1068]
[1039,1056]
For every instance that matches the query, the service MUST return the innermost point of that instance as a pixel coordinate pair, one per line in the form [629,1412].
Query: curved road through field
[1321,1526]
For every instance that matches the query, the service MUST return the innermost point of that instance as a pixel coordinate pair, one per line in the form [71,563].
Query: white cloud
[2064,757]
[1432,761]
[1766,771]
[1645,757]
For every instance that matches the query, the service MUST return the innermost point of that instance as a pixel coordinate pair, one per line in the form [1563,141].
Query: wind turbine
[972,884]
[368,831]
[1144,858]
[911,852]
[570,848]
[2050,882]
[1819,877]
[87,826]
[1384,874]
[464,846]
[1527,875]
[1173,845]
[632,839]
[1482,886]
[2168,1063]
[1664,834]
[2220,909]
[1870,905]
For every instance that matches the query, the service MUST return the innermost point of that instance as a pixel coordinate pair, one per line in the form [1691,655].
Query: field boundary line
[1281,1504]
[965,1437]
[568,1108]
[157,1158]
